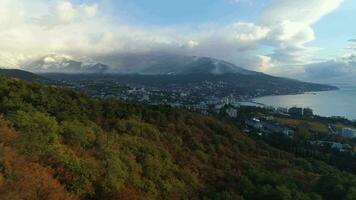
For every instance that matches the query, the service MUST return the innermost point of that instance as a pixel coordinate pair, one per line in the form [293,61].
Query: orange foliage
[125,193]
[28,180]
[7,135]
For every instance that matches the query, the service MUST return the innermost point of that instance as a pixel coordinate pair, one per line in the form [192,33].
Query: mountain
[63,145]
[197,65]
[204,86]
[172,72]
[147,64]
[63,64]
[164,64]
[21,74]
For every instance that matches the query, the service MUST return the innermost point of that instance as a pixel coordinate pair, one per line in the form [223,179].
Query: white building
[282,110]
[232,112]
[254,123]
[348,132]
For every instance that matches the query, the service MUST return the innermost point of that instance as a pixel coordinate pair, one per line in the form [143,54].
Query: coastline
[324,103]
[314,92]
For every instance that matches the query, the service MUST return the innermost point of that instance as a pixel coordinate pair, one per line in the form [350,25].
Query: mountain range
[147,64]
[166,72]
[21,74]
[63,64]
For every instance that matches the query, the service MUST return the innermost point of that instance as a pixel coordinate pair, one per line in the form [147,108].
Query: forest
[58,144]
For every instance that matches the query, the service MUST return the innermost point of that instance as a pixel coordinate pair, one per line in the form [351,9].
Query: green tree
[38,130]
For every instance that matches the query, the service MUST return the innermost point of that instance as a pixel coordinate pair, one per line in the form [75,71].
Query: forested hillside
[58,144]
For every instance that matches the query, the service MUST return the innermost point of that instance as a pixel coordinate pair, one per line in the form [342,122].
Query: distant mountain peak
[54,63]
[21,74]
[145,64]
[97,68]
[171,64]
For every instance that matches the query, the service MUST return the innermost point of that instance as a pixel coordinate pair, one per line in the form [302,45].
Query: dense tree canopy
[59,144]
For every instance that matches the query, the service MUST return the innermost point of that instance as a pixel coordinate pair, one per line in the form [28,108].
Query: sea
[340,102]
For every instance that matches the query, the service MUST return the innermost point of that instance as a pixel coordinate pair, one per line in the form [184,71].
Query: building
[334,145]
[282,110]
[254,123]
[294,111]
[270,108]
[276,128]
[348,132]
[307,112]
[269,118]
[232,112]
[219,106]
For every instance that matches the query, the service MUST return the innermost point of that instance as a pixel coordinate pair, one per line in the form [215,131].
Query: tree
[37,129]
[77,133]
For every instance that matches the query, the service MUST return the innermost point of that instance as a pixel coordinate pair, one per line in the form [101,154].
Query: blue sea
[330,103]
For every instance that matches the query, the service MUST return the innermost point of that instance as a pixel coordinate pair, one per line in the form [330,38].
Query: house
[254,123]
[204,112]
[231,112]
[334,145]
[348,132]
[294,111]
[282,111]
[270,108]
[276,128]
[269,118]
[307,112]
[219,106]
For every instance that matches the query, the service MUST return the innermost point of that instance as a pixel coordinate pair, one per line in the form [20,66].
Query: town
[262,120]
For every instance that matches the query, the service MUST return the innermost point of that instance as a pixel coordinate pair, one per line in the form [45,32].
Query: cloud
[336,71]
[351,45]
[250,32]
[90,10]
[42,27]
[190,44]
[65,12]
[81,30]
[264,63]
[329,69]
[302,11]
[291,23]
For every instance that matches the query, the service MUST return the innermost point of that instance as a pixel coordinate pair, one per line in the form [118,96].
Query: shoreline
[320,101]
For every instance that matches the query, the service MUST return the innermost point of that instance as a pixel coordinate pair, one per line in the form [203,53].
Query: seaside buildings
[348,132]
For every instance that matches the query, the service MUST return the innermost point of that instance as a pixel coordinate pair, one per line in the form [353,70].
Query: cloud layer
[40,27]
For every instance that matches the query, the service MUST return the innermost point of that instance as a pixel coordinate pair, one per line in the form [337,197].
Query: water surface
[330,103]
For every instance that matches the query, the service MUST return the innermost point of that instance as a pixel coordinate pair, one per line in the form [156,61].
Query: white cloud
[264,63]
[90,10]
[65,12]
[250,32]
[41,27]
[337,71]
[303,11]
[340,70]
[291,23]
[64,28]
[191,44]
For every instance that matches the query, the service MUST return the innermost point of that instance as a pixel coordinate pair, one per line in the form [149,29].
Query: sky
[305,39]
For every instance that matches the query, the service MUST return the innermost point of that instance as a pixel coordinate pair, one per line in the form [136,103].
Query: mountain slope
[21,74]
[154,64]
[63,64]
[148,64]
[210,85]
[64,145]
[170,72]
[175,64]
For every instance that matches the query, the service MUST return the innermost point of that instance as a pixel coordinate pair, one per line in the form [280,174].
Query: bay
[329,103]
